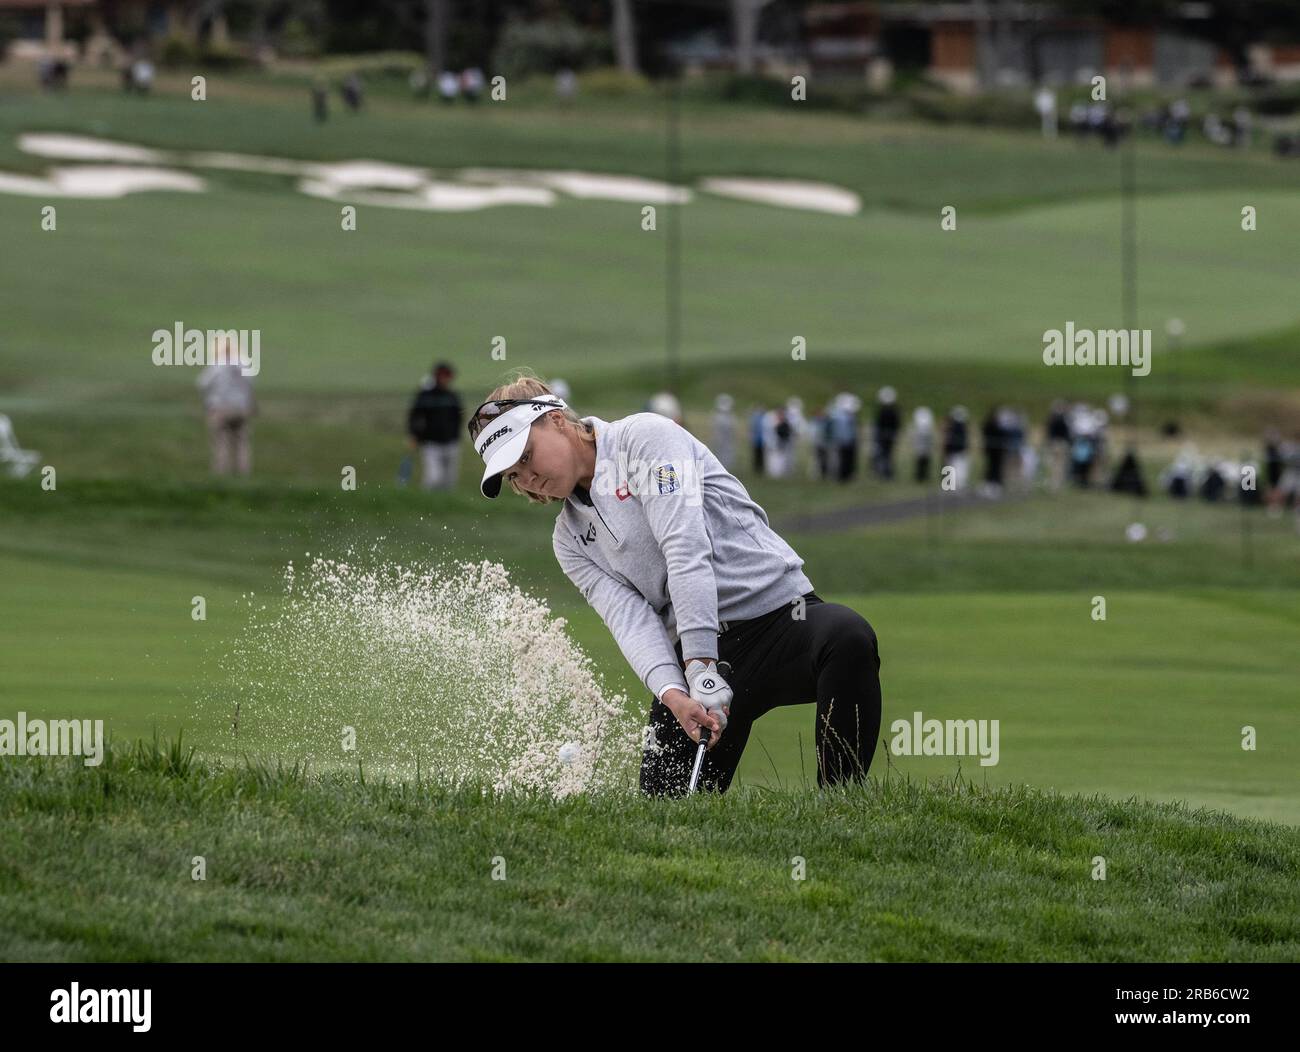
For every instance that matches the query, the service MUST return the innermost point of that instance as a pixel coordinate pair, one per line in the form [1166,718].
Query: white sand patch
[587,185]
[433,196]
[27,185]
[100,181]
[788,193]
[85,148]
[375,175]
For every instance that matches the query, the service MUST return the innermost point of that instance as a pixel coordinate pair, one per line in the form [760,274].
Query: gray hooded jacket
[666,543]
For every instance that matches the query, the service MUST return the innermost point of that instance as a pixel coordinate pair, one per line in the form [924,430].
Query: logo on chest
[589,537]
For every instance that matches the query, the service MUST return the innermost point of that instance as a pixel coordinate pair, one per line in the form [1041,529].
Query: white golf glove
[709,688]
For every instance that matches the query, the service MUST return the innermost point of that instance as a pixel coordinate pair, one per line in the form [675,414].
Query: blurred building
[969,47]
[106,28]
[42,28]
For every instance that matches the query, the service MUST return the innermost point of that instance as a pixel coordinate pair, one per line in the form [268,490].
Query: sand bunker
[587,185]
[388,185]
[85,148]
[100,181]
[432,197]
[788,193]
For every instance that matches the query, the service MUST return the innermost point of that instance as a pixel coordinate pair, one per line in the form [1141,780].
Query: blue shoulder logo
[666,476]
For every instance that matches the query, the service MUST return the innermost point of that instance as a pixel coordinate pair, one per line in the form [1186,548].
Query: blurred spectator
[1216,131]
[52,73]
[228,401]
[756,438]
[1021,460]
[1128,476]
[1242,120]
[820,431]
[887,426]
[433,425]
[352,92]
[1178,479]
[320,100]
[665,404]
[1045,104]
[566,85]
[922,441]
[995,448]
[724,431]
[1213,483]
[1274,462]
[956,443]
[1100,422]
[16,461]
[448,86]
[778,443]
[844,435]
[141,76]
[1286,145]
[799,430]
[1058,443]
[1251,496]
[1085,444]
[472,84]
[1287,490]
[1177,116]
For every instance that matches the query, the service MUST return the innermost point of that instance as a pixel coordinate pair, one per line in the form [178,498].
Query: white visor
[502,440]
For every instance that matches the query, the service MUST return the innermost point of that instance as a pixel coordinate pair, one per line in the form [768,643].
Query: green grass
[95,865]
[1037,244]
[985,614]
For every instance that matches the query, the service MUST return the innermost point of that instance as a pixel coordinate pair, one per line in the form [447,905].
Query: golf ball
[569,752]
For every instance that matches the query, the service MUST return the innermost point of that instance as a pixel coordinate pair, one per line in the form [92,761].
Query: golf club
[699,757]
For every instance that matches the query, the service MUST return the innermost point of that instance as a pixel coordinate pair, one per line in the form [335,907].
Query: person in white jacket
[229,404]
[707,603]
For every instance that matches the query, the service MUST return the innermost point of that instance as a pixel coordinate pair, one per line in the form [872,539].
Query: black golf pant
[829,656]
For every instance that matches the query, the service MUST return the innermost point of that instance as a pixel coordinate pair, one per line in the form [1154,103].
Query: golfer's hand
[709,688]
[692,716]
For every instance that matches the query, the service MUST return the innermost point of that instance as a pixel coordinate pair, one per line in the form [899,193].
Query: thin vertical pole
[673,261]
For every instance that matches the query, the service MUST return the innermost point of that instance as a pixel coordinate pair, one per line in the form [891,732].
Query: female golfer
[710,607]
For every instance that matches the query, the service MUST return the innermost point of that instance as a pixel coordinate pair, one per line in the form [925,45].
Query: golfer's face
[545,468]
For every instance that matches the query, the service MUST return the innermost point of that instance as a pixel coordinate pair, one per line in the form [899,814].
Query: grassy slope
[95,865]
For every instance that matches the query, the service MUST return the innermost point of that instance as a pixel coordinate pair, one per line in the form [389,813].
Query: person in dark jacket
[887,426]
[995,450]
[434,424]
[955,445]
